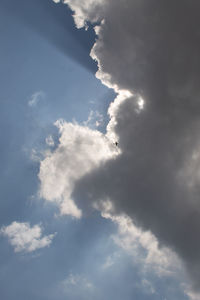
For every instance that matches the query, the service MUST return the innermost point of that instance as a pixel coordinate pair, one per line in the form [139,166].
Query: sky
[99,114]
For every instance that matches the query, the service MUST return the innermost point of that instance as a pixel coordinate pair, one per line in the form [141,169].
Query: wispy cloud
[110,260]
[50,141]
[35,98]
[77,286]
[95,119]
[77,280]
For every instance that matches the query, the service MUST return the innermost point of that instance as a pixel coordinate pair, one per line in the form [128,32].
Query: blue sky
[31,64]
[47,74]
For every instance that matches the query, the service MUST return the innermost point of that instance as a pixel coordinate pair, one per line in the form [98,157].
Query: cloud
[95,119]
[35,155]
[79,281]
[110,261]
[49,141]
[77,286]
[25,238]
[82,10]
[151,50]
[86,10]
[35,98]
[192,295]
[141,245]
[147,286]
[79,151]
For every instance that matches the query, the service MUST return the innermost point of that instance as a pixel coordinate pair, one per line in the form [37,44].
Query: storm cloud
[151,48]
[148,52]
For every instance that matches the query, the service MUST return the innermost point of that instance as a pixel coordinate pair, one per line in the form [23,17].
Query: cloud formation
[80,150]
[86,10]
[35,98]
[25,238]
[142,245]
[149,50]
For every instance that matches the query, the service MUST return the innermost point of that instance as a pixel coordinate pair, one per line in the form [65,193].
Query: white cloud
[133,240]
[25,238]
[80,150]
[35,98]
[84,10]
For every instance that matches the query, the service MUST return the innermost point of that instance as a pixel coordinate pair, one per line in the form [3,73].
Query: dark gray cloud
[152,48]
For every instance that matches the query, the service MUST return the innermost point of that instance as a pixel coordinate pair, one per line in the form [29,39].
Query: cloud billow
[25,238]
[150,50]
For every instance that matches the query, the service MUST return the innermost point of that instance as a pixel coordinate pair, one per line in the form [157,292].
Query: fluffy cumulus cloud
[148,51]
[80,150]
[25,238]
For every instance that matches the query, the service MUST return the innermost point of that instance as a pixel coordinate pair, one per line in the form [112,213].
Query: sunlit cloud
[25,238]
[80,150]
